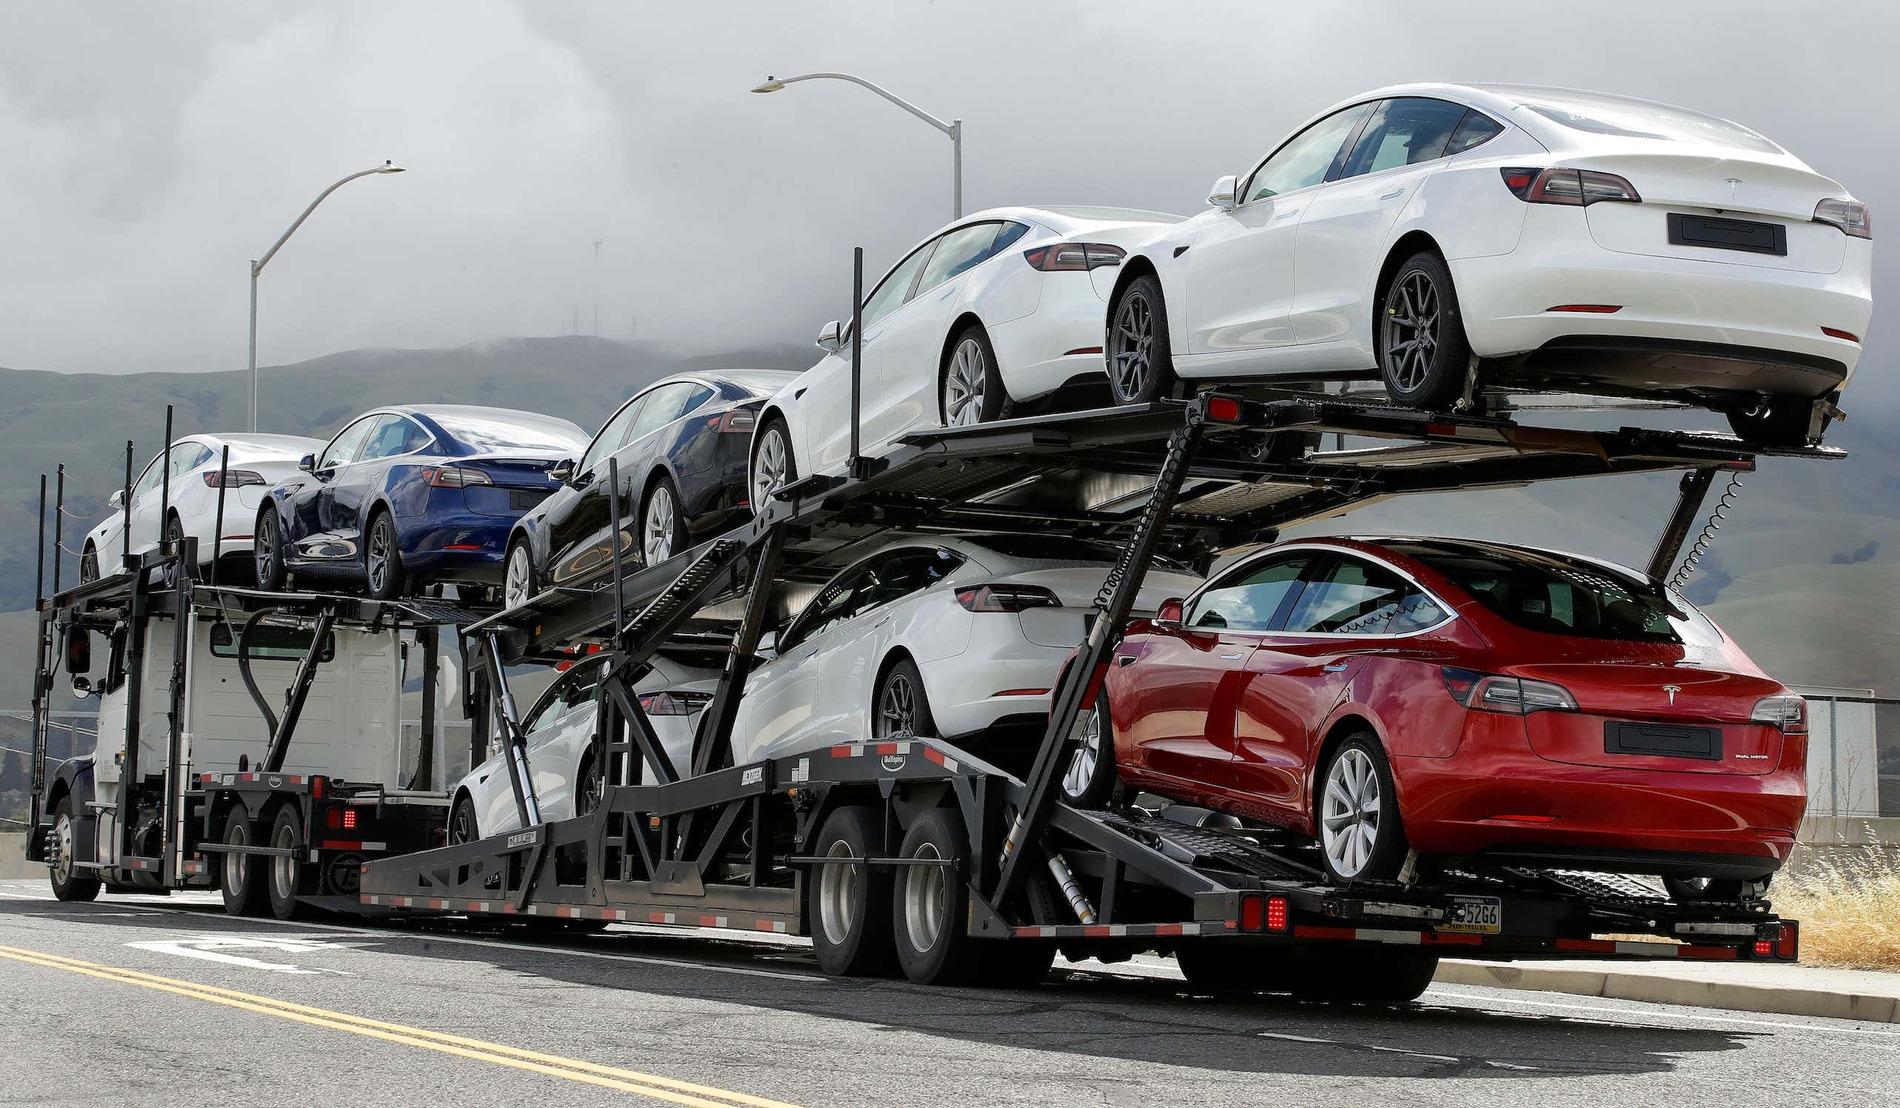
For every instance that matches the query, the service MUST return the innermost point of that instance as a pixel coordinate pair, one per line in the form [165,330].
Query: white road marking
[1399,1050]
[221,948]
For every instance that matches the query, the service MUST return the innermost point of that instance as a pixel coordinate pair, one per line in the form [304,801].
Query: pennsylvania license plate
[1482,915]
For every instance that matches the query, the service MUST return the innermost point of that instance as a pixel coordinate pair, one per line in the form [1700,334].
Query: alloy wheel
[1131,342]
[963,385]
[837,893]
[1411,330]
[265,549]
[283,868]
[518,584]
[1349,816]
[235,868]
[657,533]
[379,553]
[926,898]
[1087,736]
[89,565]
[462,827]
[768,466]
[591,789]
[62,861]
[897,708]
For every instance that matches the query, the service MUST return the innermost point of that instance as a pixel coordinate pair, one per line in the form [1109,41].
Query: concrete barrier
[13,863]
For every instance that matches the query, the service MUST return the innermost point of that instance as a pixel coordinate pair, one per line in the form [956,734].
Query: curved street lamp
[258,264]
[953,128]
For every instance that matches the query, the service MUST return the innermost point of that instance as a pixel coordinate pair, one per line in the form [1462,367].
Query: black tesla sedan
[681,447]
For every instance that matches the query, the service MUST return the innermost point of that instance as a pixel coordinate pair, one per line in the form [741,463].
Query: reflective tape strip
[1115,930]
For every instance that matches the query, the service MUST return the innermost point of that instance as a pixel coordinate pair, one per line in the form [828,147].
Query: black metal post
[299,690]
[857,351]
[515,752]
[217,528]
[125,510]
[431,639]
[713,744]
[59,524]
[165,488]
[1694,487]
[39,561]
[613,526]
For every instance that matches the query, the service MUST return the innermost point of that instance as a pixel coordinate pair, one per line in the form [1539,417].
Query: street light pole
[952,128]
[258,264]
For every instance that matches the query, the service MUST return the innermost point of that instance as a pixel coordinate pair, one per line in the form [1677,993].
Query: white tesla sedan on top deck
[1548,238]
[191,506]
[999,309]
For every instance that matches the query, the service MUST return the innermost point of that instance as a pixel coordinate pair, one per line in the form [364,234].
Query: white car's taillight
[673,703]
[1486,692]
[1577,187]
[1074,256]
[1786,712]
[233,478]
[1006,598]
[1851,216]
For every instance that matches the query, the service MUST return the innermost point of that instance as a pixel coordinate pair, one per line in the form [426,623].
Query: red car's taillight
[1576,187]
[1062,256]
[455,477]
[233,478]
[1786,712]
[1490,692]
[1006,598]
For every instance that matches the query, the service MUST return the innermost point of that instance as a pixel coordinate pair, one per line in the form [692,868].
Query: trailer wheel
[68,885]
[1380,975]
[288,874]
[931,903]
[243,878]
[849,928]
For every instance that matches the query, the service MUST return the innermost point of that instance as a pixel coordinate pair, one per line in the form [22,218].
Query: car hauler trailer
[198,780]
[914,851]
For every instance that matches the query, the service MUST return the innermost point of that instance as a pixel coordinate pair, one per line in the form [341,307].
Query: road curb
[1659,989]
[13,863]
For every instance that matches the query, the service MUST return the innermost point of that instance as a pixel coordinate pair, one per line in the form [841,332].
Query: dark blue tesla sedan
[405,496]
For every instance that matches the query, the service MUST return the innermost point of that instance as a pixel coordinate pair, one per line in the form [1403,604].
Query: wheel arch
[964,321]
[1342,727]
[1414,241]
[896,654]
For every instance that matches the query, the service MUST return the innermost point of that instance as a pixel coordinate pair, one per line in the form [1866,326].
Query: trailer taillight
[349,819]
[1784,947]
[1223,409]
[1263,913]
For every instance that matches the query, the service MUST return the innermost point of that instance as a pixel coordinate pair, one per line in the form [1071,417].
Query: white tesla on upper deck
[1002,307]
[1569,240]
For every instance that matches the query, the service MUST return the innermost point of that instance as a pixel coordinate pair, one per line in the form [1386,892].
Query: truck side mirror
[78,651]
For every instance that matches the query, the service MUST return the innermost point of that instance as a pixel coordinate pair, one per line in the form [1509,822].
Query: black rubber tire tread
[996,399]
[1388,853]
[866,949]
[76,889]
[288,908]
[953,958]
[248,898]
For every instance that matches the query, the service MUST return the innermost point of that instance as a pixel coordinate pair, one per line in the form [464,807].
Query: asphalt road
[168,1001]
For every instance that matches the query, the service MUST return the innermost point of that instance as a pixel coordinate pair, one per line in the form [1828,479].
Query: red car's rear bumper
[1497,798]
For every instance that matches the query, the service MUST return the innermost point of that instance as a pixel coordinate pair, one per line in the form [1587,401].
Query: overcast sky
[148,151]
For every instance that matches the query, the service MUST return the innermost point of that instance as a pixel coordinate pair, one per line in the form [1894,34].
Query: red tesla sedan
[1474,702]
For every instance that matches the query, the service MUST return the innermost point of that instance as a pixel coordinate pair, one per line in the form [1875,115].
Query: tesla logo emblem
[1672,690]
[1733,184]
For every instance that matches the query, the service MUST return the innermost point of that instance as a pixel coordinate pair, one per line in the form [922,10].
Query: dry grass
[1848,903]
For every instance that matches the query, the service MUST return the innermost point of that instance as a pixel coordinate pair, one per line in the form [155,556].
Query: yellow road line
[632,1081]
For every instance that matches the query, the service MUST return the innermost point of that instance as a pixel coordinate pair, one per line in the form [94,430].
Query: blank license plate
[1663,740]
[1728,234]
[1482,915]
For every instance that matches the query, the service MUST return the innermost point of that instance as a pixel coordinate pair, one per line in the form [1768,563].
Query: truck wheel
[1380,975]
[1225,967]
[287,872]
[849,929]
[68,885]
[931,903]
[243,877]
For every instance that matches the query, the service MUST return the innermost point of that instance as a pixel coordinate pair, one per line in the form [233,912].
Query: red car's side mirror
[1169,613]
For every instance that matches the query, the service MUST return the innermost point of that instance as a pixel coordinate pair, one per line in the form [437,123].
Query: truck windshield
[271,642]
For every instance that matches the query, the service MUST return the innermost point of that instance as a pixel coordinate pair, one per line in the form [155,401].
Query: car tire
[61,872]
[267,551]
[970,386]
[463,827]
[1781,421]
[901,708]
[174,543]
[520,580]
[773,465]
[590,785]
[662,523]
[288,875]
[1376,975]
[1140,361]
[242,876]
[383,577]
[1420,336]
[850,928]
[1356,814]
[88,564]
[1089,780]
[930,903]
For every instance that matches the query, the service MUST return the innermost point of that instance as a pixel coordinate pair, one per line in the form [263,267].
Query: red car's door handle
[1125,659]
[1335,667]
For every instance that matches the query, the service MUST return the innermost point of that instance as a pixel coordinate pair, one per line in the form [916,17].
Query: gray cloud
[151,150]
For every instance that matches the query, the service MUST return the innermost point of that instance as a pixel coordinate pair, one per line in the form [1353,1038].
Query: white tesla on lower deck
[1553,238]
[190,506]
[932,635]
[1000,308]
